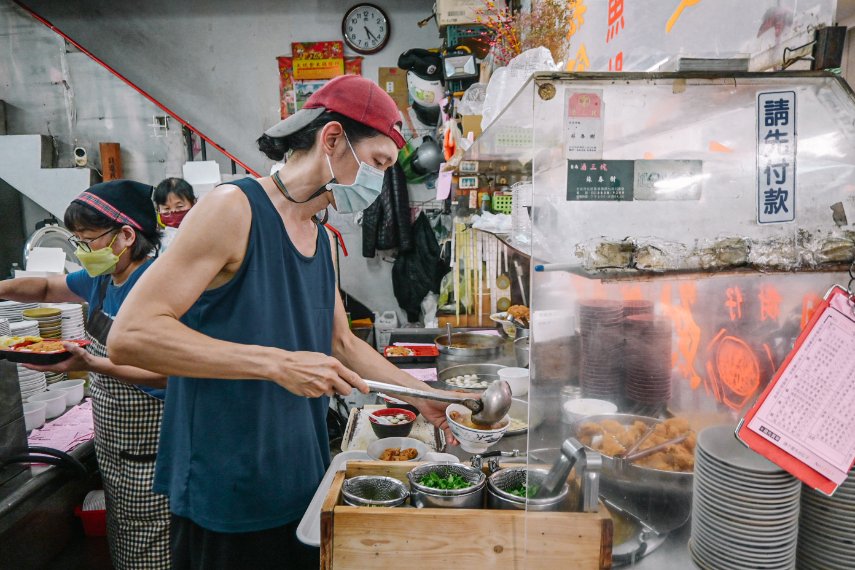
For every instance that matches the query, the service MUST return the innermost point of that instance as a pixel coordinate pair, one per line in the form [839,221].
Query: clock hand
[369,34]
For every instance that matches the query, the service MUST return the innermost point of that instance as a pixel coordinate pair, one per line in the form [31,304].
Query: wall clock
[365,28]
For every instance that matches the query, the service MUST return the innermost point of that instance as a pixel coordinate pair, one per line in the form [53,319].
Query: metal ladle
[492,407]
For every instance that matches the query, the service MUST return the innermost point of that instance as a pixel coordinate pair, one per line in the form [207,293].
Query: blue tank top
[247,455]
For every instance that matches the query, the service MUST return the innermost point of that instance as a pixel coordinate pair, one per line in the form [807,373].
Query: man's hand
[313,374]
[434,412]
[80,361]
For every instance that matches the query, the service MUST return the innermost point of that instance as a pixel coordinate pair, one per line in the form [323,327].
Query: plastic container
[94,522]
[73,390]
[34,415]
[517,378]
[54,401]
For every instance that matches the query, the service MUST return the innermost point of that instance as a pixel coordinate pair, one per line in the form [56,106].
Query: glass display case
[683,228]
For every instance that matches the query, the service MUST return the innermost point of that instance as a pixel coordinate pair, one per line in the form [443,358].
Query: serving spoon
[492,407]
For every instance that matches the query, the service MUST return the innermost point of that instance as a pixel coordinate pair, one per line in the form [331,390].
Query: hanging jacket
[386,222]
[418,271]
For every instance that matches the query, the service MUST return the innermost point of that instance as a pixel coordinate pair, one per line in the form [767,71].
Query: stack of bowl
[4,327]
[72,320]
[648,359]
[602,354]
[49,321]
[471,497]
[24,328]
[12,310]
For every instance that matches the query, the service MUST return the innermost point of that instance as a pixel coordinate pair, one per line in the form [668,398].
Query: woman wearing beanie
[255,339]
[115,231]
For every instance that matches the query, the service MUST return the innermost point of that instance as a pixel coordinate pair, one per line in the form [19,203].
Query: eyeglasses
[85,245]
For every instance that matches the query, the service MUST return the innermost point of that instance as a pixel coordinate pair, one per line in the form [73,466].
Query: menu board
[804,420]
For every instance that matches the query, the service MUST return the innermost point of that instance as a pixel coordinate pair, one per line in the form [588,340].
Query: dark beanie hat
[125,202]
[426,64]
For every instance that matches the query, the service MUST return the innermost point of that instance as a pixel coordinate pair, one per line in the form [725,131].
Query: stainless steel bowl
[660,499]
[484,372]
[521,351]
[520,411]
[374,491]
[470,344]
[510,477]
[471,497]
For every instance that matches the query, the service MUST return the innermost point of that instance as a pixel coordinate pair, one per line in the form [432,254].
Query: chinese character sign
[776,157]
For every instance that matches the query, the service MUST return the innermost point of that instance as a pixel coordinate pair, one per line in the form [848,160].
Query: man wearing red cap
[242,313]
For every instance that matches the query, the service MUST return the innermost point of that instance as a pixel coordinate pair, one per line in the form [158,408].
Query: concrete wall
[213,62]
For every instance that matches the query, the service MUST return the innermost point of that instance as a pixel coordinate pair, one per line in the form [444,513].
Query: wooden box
[366,537]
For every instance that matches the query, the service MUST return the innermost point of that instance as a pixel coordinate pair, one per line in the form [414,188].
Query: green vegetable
[452,481]
[524,491]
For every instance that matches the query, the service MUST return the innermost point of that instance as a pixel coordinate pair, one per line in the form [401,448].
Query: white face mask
[351,198]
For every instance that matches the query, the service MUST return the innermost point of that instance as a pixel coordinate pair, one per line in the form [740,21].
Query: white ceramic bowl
[73,390]
[517,378]
[509,328]
[377,447]
[577,410]
[34,415]
[474,440]
[54,401]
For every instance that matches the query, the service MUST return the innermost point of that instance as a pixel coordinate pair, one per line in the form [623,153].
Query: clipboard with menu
[804,420]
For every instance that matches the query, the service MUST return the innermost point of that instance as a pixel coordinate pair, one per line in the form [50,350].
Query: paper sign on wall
[583,124]
[776,157]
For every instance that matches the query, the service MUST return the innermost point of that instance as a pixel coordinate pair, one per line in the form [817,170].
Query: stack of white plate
[12,310]
[72,319]
[827,528]
[745,509]
[4,327]
[24,328]
[54,377]
[31,382]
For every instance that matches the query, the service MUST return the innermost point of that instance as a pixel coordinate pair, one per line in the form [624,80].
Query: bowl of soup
[474,437]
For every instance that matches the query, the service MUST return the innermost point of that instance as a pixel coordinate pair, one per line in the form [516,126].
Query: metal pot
[660,499]
[469,344]
[374,491]
[426,497]
[510,477]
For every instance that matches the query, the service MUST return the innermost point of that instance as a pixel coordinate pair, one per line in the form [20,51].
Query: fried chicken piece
[613,427]
[658,460]
[676,427]
[684,460]
[587,432]
[611,446]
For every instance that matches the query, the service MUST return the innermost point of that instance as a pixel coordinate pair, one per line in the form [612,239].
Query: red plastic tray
[21,355]
[418,354]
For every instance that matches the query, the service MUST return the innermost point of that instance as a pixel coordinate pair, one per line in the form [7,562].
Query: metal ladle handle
[376,386]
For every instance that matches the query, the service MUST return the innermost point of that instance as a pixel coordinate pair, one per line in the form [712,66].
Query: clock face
[365,28]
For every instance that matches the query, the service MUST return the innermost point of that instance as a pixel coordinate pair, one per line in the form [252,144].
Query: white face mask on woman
[351,198]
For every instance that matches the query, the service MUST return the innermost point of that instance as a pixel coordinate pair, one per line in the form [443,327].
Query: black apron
[127,428]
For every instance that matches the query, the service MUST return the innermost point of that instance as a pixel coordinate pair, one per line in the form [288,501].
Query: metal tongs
[590,465]
[623,462]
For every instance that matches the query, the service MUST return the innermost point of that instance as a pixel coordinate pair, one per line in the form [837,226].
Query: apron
[127,428]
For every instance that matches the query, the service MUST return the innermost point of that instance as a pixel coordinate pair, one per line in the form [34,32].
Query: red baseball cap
[354,97]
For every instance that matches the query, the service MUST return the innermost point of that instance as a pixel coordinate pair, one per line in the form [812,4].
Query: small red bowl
[402,429]
[393,403]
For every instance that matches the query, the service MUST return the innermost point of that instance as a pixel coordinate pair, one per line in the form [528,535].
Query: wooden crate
[364,537]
